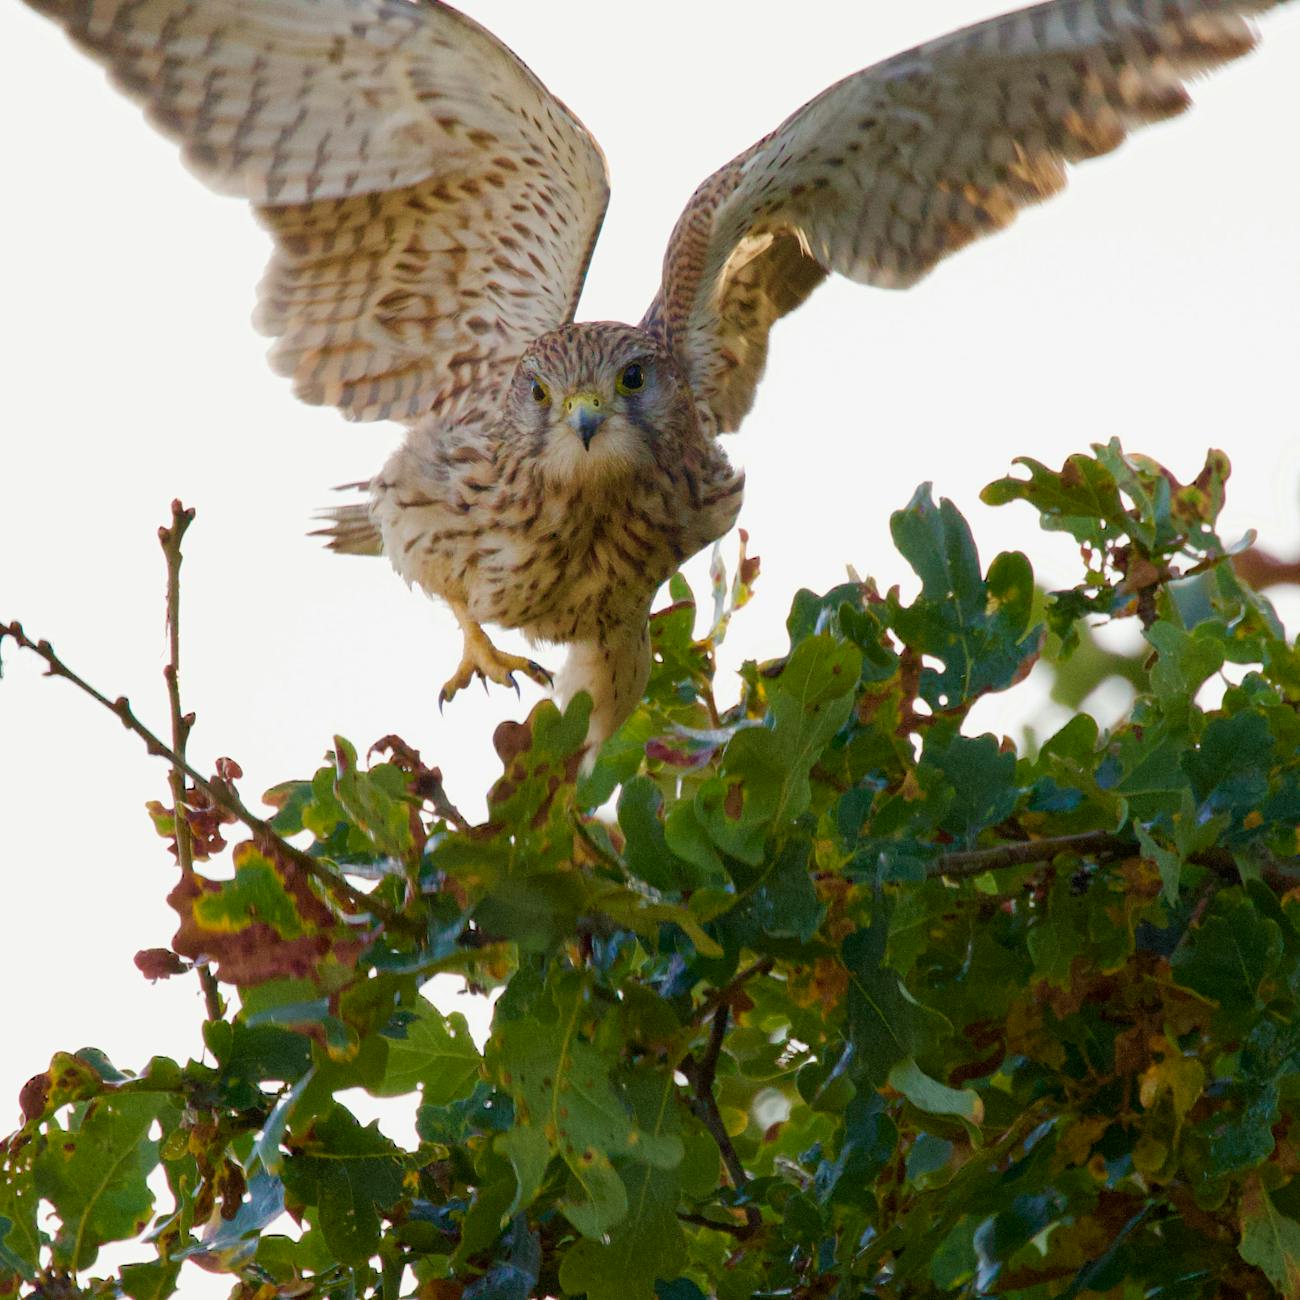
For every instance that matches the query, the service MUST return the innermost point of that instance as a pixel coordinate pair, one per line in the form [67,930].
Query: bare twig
[220,794]
[170,538]
[182,723]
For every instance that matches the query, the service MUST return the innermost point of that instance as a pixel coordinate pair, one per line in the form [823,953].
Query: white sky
[1156,300]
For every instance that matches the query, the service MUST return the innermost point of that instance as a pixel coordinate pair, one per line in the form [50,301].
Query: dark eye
[631,380]
[540,395]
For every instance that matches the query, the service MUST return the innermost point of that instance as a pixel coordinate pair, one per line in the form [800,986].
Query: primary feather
[892,169]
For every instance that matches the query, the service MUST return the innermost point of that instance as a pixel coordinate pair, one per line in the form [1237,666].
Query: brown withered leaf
[267,923]
[159,963]
[68,1079]
[33,1096]
[426,782]
[405,756]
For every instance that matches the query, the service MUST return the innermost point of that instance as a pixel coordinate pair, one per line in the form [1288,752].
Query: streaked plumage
[434,209]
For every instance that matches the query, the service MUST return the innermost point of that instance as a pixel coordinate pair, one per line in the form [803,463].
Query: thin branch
[975,862]
[701,1074]
[706,1071]
[742,1230]
[220,794]
[723,995]
[170,540]
[1088,844]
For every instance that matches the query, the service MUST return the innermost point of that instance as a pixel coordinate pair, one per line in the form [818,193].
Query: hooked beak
[585,413]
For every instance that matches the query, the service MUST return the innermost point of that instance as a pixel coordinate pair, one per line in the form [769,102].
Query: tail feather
[350,529]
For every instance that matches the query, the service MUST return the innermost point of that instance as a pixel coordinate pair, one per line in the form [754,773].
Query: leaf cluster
[817,995]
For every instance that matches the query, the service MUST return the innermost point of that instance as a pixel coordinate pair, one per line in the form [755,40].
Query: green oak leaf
[868,1140]
[94,1175]
[1168,862]
[155,1280]
[935,1098]
[514,1274]
[646,850]
[431,1051]
[562,1085]
[1229,955]
[887,1026]
[979,628]
[977,779]
[595,1197]
[481,1223]
[348,1174]
[765,779]
[1230,768]
[10,1260]
[267,1147]
[1081,498]
[632,909]
[645,1246]
[529,1154]
[785,903]
[376,802]
[20,1237]
[1184,660]
[1270,1240]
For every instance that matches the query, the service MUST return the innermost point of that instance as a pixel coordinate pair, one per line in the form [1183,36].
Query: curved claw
[483,660]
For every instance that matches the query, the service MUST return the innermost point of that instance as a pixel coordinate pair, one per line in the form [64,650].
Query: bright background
[1156,301]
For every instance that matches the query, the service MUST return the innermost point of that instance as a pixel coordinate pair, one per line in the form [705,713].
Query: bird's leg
[483,660]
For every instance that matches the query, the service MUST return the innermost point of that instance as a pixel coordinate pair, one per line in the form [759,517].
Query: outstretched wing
[434,207]
[893,168]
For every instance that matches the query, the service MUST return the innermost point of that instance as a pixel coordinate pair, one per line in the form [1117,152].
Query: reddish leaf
[159,963]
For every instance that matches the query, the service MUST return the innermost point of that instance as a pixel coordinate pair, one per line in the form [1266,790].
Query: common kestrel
[435,207]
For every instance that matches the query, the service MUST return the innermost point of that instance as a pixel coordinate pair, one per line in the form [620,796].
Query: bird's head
[601,399]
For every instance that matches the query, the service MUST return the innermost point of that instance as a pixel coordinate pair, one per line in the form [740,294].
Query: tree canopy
[816,995]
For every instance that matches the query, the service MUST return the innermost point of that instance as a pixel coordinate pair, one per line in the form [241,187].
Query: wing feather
[892,169]
[434,207]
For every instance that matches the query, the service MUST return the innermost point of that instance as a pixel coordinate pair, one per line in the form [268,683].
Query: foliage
[837,1001]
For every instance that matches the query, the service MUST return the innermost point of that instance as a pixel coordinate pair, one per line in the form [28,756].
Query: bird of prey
[434,210]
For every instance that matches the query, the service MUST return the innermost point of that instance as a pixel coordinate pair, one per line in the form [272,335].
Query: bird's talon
[483,660]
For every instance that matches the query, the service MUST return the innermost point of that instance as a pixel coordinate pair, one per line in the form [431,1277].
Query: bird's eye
[540,395]
[632,379]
